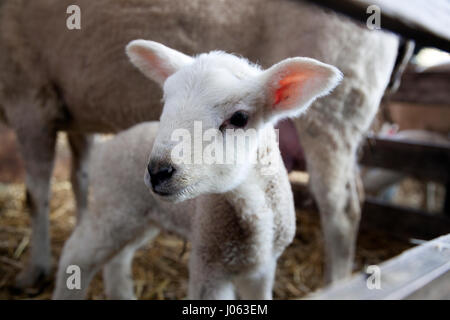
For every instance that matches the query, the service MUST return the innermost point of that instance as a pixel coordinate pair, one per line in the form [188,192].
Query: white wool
[239,218]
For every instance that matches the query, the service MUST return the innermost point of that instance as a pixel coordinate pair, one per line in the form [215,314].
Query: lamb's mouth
[163,193]
[177,195]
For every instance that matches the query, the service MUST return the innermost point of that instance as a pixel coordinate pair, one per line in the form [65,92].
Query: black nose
[160,173]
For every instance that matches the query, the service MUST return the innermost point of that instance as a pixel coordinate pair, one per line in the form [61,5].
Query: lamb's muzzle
[160,173]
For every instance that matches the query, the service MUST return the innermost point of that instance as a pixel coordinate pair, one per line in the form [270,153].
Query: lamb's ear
[155,60]
[293,84]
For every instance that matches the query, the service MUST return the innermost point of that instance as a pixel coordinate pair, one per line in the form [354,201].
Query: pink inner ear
[153,63]
[289,87]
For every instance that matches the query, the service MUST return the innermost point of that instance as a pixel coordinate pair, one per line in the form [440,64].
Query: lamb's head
[206,99]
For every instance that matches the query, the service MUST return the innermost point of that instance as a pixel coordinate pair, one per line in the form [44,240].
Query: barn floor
[160,269]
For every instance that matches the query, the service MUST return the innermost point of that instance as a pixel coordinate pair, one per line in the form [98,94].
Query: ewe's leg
[340,212]
[207,282]
[333,181]
[37,146]
[340,229]
[117,276]
[257,286]
[80,145]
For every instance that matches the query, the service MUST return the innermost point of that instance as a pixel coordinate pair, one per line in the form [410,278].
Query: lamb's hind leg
[80,145]
[117,276]
[333,181]
[82,256]
[97,238]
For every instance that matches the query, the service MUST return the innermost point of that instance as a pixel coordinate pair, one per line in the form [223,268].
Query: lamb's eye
[239,119]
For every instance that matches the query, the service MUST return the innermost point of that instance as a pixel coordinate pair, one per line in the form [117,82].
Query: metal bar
[422,272]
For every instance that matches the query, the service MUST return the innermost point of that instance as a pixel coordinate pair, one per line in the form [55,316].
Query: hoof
[32,281]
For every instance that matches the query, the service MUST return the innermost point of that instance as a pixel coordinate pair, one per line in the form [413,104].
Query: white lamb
[239,217]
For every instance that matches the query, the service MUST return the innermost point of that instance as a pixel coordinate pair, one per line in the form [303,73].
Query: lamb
[239,216]
[79,81]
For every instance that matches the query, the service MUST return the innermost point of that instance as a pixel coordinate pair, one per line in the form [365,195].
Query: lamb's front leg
[257,285]
[208,282]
